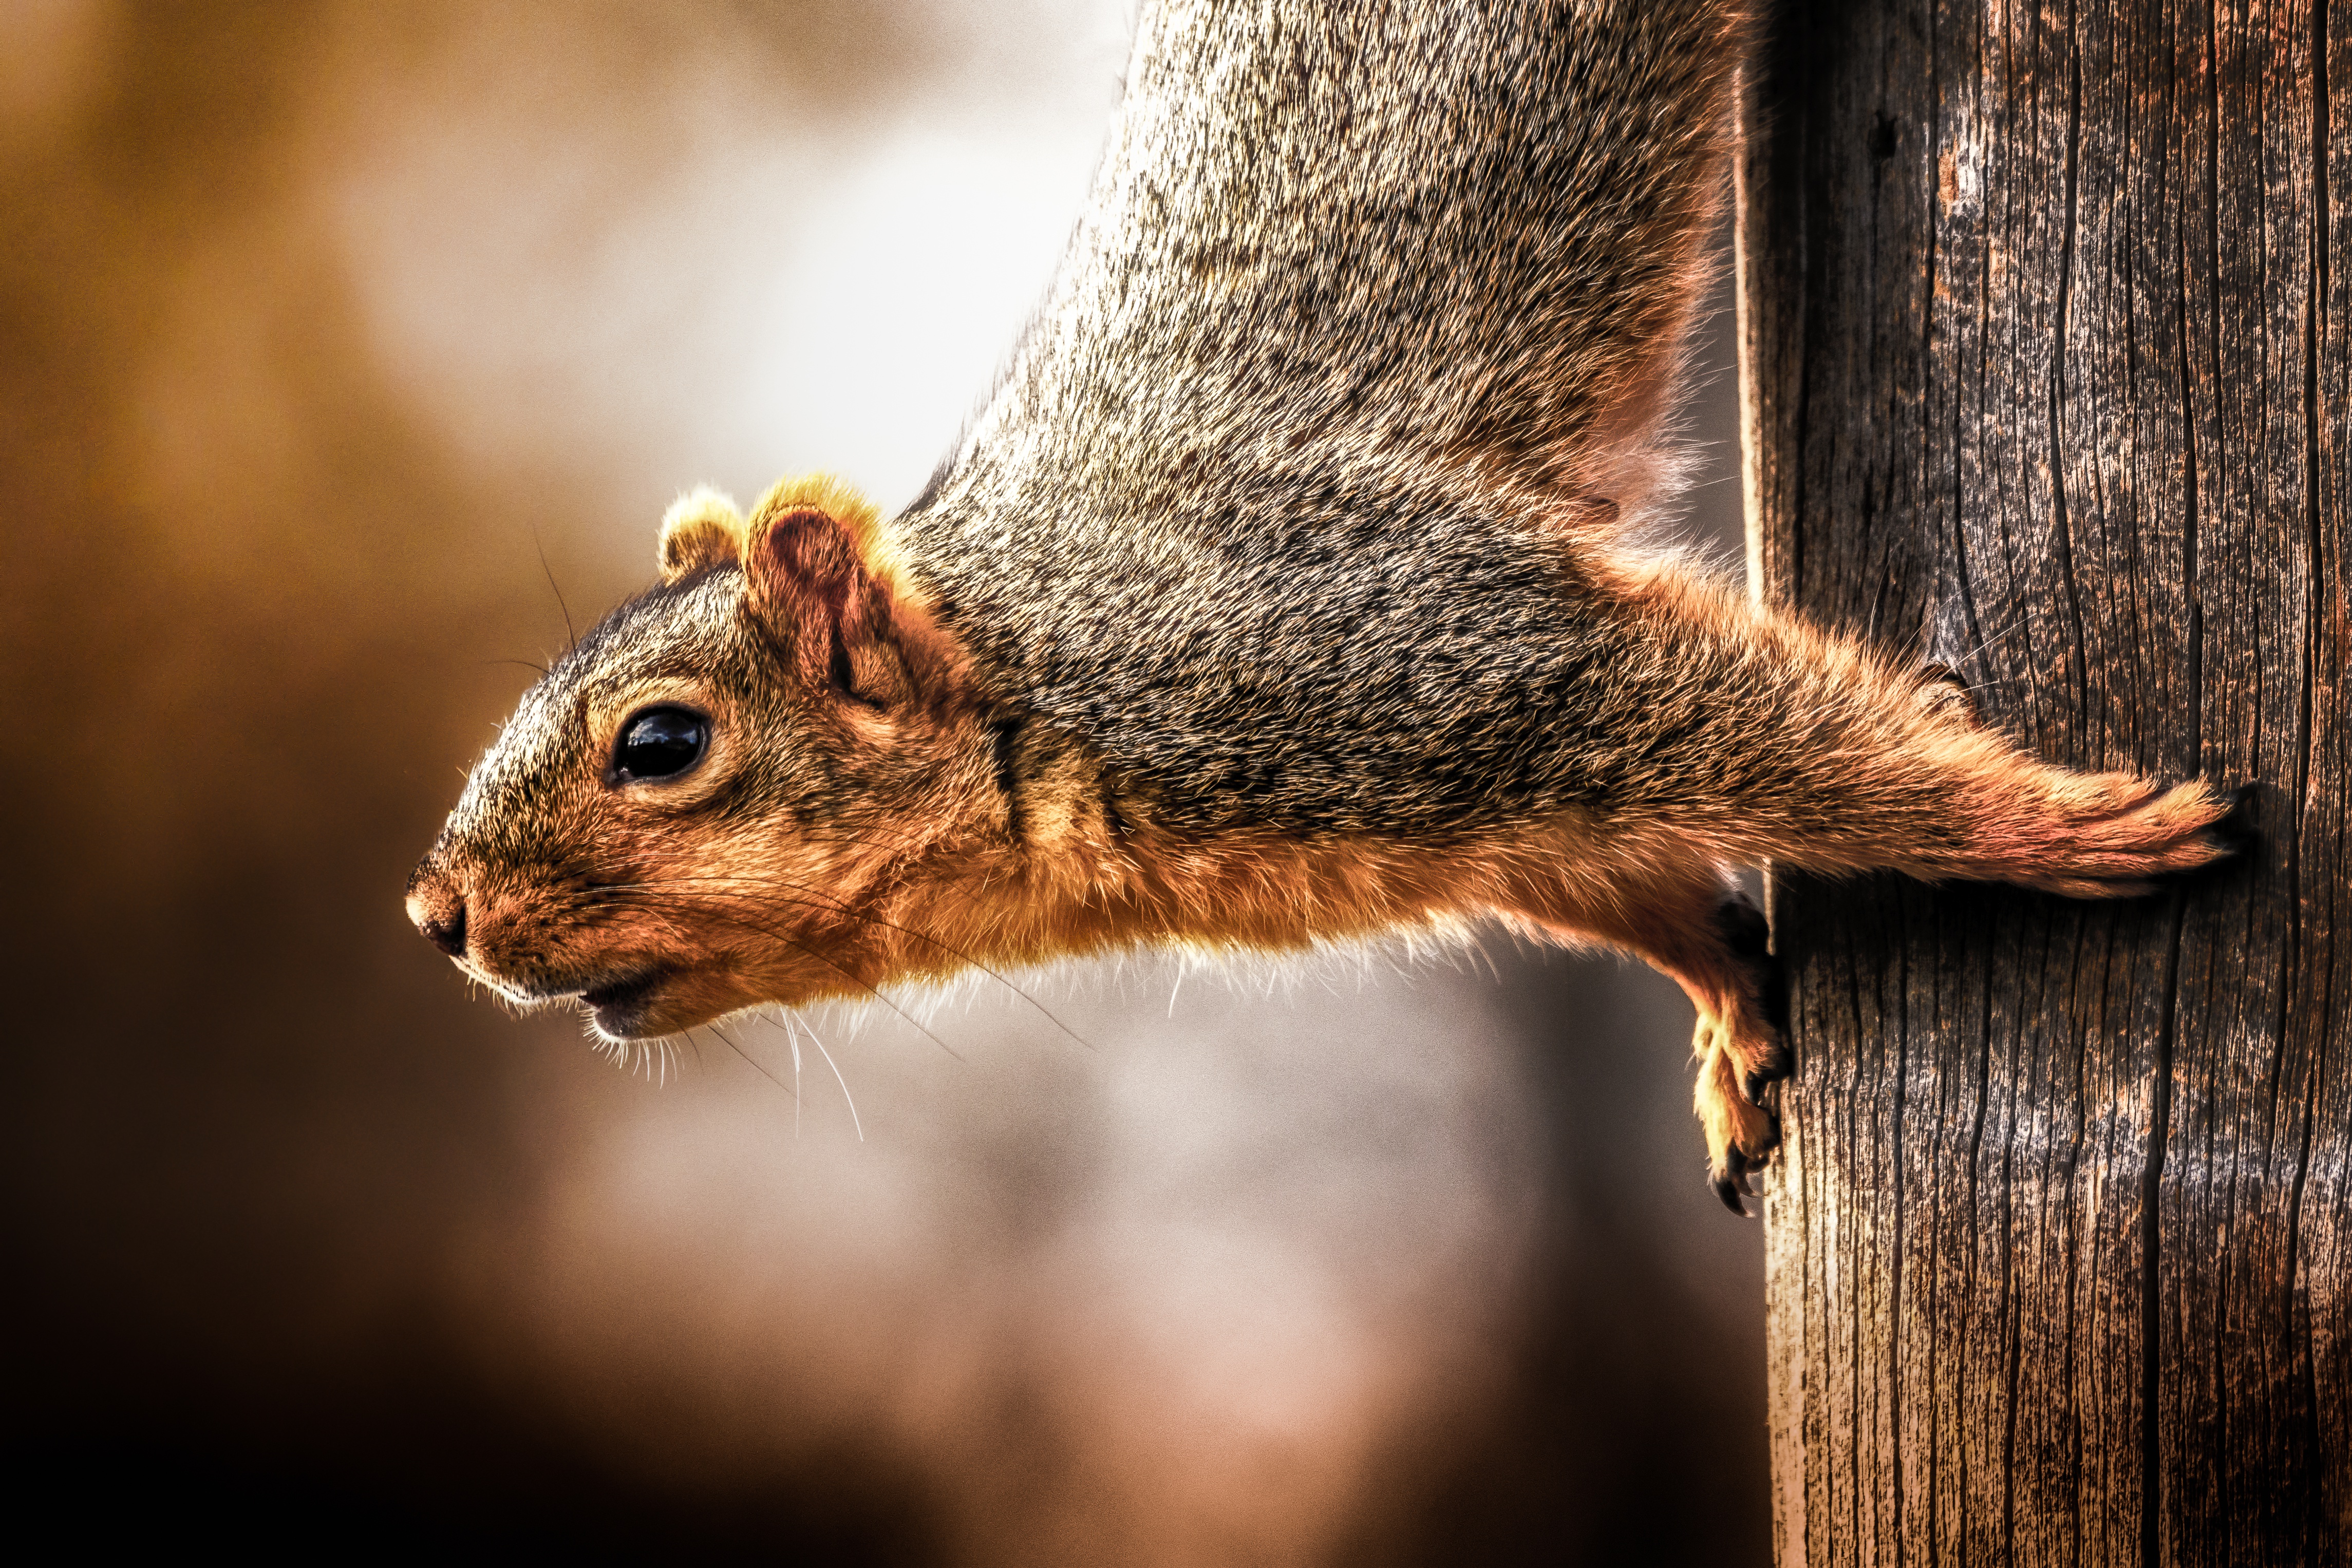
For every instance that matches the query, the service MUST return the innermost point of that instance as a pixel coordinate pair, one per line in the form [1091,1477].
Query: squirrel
[1294,587]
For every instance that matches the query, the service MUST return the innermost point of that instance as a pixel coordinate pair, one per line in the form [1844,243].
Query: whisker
[808,894]
[838,1078]
[792,1035]
[762,1072]
[743,923]
[2017,623]
[550,570]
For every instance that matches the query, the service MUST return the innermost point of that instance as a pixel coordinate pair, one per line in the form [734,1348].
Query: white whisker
[792,1033]
[838,1078]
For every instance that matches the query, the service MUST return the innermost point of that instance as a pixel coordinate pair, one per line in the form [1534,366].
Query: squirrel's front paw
[1740,1134]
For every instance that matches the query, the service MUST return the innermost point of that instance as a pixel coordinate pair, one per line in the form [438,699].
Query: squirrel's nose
[448,932]
[439,912]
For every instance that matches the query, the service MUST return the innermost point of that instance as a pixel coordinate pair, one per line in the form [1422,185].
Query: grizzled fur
[1291,589]
[1373,303]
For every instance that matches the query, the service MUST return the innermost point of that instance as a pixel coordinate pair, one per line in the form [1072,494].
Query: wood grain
[2045,324]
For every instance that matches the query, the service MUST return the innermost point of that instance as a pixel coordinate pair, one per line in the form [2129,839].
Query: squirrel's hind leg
[1693,926]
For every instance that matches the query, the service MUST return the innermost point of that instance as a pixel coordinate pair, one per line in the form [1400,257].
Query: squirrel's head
[692,813]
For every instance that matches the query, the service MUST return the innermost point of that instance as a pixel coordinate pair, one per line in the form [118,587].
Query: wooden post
[2046,313]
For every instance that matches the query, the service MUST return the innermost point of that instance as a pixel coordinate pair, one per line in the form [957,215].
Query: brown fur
[1290,591]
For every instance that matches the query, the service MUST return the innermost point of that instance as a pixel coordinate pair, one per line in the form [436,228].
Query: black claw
[1728,1191]
[2235,827]
[1774,1141]
[1731,1183]
[1776,1067]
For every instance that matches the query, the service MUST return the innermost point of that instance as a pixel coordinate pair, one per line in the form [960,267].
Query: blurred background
[320,324]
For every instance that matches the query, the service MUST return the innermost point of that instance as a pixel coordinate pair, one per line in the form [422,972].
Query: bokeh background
[322,326]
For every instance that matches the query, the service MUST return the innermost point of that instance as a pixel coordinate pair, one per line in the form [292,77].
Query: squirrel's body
[1290,589]
[1276,505]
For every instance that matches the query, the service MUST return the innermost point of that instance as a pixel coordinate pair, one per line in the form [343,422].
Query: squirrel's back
[1373,305]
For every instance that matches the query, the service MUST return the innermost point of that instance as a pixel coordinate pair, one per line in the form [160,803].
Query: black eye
[660,743]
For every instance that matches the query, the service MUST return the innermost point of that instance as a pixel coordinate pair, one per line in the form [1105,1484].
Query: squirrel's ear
[807,582]
[701,528]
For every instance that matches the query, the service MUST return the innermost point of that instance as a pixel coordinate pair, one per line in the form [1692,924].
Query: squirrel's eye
[660,743]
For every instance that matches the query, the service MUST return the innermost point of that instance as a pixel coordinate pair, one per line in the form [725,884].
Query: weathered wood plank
[2048,375]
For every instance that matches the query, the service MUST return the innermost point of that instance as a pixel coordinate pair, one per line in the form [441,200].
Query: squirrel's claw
[1728,1172]
[1741,1134]
[1759,1080]
[1730,1183]
[2234,830]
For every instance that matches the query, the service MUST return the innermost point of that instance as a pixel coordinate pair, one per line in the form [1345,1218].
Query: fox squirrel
[1290,589]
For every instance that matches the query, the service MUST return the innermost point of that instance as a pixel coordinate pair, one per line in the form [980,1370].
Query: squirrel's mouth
[619,1006]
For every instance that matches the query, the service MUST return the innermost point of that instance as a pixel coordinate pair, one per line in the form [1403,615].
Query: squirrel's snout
[439,911]
[449,934]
